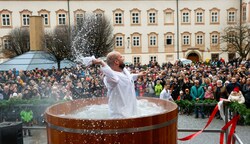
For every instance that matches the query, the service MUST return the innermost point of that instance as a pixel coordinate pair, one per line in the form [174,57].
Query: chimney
[36,33]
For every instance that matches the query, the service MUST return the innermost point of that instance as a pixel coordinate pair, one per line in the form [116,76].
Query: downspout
[177,28]
[68,13]
[241,24]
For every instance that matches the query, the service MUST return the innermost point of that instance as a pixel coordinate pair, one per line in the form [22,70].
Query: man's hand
[98,61]
[142,73]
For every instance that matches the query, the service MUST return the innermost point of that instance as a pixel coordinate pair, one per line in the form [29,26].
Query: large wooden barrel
[153,129]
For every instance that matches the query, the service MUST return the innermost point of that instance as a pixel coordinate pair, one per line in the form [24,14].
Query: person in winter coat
[236,96]
[158,88]
[197,93]
[246,92]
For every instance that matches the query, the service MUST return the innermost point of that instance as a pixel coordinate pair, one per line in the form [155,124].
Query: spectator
[197,93]
[236,96]
[220,91]
[246,92]
[232,85]
[158,88]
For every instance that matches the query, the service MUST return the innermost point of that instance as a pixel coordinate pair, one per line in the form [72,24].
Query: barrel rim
[113,119]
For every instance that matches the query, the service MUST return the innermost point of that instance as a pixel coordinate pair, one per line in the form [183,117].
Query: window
[153,58]
[169,40]
[6,17]
[25,17]
[214,16]
[152,41]
[186,40]
[6,44]
[79,16]
[45,19]
[214,39]
[46,16]
[61,17]
[152,16]
[136,60]
[98,13]
[185,17]
[118,18]
[119,41]
[244,13]
[135,17]
[231,15]
[199,19]
[136,41]
[199,39]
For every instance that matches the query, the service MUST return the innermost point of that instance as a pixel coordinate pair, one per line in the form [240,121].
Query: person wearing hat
[236,96]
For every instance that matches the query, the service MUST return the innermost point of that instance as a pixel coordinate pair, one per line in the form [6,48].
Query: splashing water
[145,108]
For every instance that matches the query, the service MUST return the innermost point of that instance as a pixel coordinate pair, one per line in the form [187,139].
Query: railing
[235,136]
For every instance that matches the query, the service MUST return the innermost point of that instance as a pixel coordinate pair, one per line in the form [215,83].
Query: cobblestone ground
[187,122]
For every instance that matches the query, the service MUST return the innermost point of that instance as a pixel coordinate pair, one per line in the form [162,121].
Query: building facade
[145,30]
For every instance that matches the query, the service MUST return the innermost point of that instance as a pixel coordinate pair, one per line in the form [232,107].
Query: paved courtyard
[39,136]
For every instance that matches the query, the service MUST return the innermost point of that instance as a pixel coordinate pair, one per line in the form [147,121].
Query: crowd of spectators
[197,81]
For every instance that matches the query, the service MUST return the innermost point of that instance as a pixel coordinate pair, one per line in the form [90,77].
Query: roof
[31,60]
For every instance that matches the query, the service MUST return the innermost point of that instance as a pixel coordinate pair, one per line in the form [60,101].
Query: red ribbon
[199,132]
[232,122]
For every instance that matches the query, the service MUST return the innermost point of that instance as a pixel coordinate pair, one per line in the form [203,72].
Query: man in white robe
[120,84]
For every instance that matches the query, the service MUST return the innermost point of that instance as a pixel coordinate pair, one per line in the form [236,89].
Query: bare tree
[94,36]
[58,44]
[19,41]
[237,39]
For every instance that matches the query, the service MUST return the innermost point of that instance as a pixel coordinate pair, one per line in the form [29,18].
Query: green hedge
[18,101]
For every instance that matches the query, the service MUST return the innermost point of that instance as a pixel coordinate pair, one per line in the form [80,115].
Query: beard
[122,66]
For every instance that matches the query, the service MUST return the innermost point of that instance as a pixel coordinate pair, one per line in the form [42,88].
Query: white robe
[121,92]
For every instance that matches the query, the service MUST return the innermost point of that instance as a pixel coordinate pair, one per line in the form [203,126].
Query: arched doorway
[193,56]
